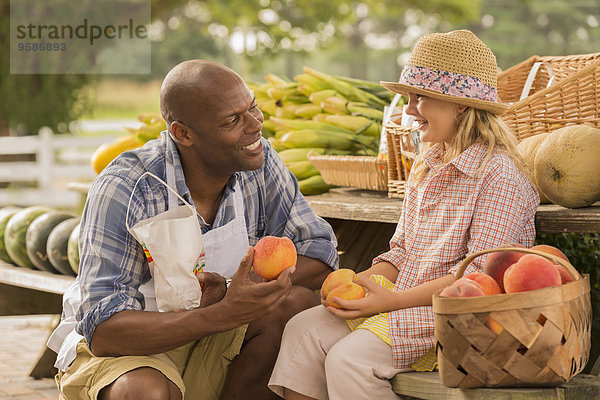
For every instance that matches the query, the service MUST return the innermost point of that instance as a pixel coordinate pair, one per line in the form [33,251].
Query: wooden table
[369,206]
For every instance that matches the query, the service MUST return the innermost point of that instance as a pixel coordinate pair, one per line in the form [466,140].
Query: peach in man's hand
[272,255]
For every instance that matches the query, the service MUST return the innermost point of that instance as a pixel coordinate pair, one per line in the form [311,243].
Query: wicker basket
[361,172]
[544,341]
[401,155]
[573,98]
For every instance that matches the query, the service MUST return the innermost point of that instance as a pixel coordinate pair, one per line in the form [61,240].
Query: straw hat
[454,66]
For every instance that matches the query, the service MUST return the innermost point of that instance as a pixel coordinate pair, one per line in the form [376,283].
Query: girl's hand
[377,300]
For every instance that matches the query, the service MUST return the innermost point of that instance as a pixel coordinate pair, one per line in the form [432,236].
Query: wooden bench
[25,292]
[427,385]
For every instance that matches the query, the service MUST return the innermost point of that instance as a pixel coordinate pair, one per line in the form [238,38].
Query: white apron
[224,248]
[166,241]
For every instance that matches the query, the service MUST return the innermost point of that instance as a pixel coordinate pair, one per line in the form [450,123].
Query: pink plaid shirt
[454,211]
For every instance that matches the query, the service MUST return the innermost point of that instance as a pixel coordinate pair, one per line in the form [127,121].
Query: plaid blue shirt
[112,262]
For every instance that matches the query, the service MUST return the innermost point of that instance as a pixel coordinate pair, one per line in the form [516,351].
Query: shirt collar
[172,155]
[467,162]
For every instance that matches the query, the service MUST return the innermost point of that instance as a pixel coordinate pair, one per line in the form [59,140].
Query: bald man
[112,343]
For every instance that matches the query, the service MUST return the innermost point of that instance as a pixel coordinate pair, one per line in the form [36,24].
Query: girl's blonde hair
[475,126]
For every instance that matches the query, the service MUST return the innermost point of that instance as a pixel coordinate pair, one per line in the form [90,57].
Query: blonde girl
[468,191]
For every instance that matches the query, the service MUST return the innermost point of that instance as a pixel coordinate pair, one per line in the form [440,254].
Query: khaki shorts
[199,369]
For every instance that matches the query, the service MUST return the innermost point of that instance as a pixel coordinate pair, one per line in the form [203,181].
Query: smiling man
[112,342]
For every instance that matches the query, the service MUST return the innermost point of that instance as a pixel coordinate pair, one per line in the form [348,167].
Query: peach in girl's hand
[272,255]
[529,273]
[464,287]
[340,283]
[490,286]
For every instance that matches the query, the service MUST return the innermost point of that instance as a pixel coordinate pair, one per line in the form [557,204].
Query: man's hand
[247,300]
[214,287]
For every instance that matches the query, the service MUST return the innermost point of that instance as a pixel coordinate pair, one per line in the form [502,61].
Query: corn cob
[335,105]
[358,124]
[320,96]
[302,169]
[308,110]
[299,154]
[294,124]
[313,185]
[267,106]
[364,110]
[327,139]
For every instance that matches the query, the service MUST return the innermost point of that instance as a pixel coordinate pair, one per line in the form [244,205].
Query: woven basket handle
[461,269]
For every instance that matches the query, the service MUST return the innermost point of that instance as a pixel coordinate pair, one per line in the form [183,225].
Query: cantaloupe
[566,166]
[528,150]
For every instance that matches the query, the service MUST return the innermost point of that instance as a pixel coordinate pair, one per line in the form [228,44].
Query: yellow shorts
[199,368]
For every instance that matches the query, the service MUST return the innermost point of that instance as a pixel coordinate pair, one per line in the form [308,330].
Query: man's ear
[461,108]
[181,134]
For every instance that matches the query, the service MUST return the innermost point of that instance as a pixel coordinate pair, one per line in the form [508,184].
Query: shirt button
[412,257]
[424,218]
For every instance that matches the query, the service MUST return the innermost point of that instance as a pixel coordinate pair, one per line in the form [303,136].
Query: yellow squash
[108,151]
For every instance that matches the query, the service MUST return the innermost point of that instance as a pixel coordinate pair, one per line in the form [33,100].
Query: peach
[529,273]
[497,263]
[490,286]
[463,287]
[564,273]
[272,255]
[340,283]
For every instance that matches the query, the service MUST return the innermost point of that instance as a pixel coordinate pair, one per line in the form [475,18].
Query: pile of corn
[320,113]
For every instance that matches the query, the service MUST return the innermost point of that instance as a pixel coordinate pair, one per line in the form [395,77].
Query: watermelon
[5,214]
[16,230]
[73,249]
[57,244]
[37,237]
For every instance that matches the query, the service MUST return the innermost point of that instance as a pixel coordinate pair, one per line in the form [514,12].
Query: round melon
[16,231]
[528,150]
[6,214]
[57,244]
[73,249]
[566,166]
[37,237]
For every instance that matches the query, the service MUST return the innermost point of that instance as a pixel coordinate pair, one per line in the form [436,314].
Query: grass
[123,99]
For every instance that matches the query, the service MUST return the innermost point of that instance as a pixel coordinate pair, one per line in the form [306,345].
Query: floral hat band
[454,66]
[446,82]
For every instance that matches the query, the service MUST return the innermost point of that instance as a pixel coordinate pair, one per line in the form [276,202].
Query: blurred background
[368,39]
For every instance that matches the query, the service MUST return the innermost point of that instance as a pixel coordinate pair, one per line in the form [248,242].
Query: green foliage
[518,29]
[584,253]
[32,101]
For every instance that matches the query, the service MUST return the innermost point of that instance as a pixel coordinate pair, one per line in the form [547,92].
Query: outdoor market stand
[364,222]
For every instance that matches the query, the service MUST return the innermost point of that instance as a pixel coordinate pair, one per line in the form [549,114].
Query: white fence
[60,160]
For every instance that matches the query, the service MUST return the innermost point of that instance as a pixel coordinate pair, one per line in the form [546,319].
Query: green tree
[355,30]
[54,100]
[518,29]
[32,101]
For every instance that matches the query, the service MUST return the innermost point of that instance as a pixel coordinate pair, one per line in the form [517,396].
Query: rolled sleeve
[112,265]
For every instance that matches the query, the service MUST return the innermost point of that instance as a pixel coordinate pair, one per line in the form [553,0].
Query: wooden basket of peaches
[525,321]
